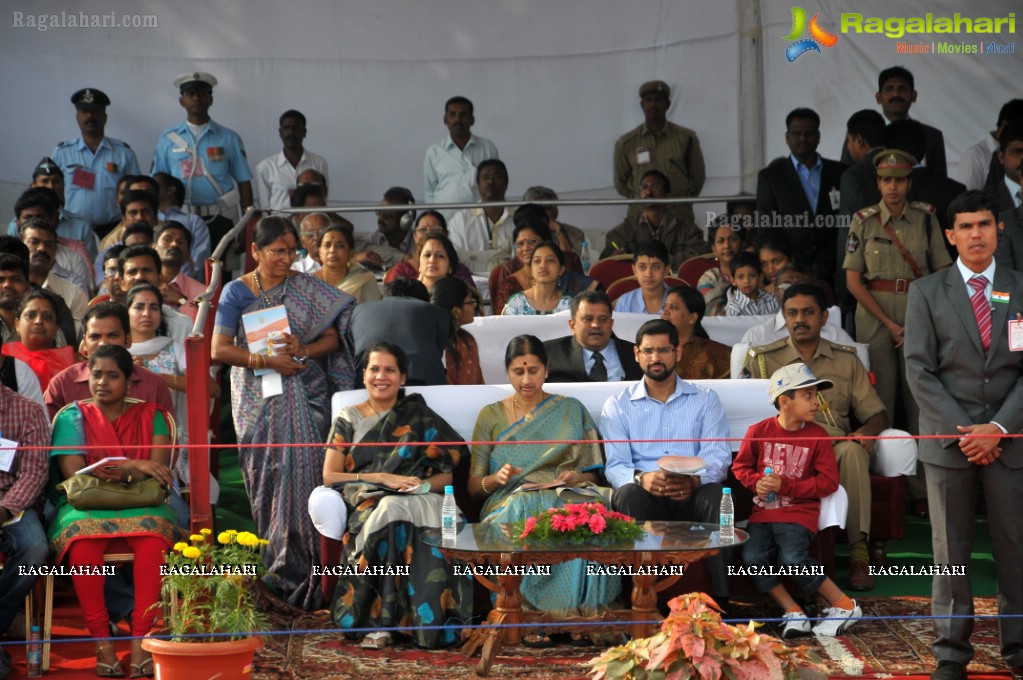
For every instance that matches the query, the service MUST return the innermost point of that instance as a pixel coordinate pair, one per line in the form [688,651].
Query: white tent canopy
[554,83]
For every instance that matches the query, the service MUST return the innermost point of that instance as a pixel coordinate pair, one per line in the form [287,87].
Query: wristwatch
[637,477]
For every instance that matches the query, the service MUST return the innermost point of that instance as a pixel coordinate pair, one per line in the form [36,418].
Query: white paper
[7,450]
[109,460]
[642,156]
[273,384]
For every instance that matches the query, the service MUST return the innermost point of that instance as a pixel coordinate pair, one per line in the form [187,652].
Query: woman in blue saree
[313,361]
[497,472]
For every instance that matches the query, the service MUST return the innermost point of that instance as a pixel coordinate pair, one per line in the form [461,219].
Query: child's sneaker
[796,625]
[837,620]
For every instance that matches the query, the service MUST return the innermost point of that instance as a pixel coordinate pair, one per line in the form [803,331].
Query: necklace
[267,302]
[526,415]
[370,404]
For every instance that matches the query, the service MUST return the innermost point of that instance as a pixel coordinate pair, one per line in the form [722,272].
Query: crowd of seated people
[138,245]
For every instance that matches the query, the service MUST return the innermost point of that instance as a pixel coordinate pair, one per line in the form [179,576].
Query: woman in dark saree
[385,521]
[311,362]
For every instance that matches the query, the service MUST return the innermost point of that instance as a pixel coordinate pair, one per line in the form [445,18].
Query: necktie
[1019,198]
[599,371]
[981,309]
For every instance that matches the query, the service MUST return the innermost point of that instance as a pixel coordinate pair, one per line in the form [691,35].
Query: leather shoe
[949,670]
[859,576]
[878,552]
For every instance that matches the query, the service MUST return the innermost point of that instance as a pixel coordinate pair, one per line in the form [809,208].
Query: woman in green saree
[385,521]
[497,472]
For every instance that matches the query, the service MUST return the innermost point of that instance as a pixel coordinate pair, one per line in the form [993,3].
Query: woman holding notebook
[499,472]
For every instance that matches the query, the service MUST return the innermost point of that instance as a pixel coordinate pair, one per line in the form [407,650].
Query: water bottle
[771,499]
[584,256]
[34,654]
[727,520]
[449,515]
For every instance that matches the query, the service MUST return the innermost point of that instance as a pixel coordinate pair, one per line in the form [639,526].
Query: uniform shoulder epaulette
[922,205]
[844,348]
[867,212]
[64,143]
[770,347]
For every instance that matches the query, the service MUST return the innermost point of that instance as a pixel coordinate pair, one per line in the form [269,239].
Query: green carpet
[233,511]
[915,549]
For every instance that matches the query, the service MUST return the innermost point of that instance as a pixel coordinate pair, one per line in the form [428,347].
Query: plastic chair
[610,269]
[695,267]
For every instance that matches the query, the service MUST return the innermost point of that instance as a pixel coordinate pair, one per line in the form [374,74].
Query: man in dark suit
[804,189]
[911,136]
[864,133]
[592,353]
[406,318]
[1006,191]
[1010,242]
[968,379]
[896,93]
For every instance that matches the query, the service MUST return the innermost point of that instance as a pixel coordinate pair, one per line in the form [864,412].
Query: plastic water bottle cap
[767,471]
[449,489]
[726,491]
[35,629]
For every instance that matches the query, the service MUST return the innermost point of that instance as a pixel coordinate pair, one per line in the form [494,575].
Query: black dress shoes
[949,670]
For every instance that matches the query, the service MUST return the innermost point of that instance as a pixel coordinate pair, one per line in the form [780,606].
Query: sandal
[538,640]
[580,640]
[143,670]
[108,670]
[378,640]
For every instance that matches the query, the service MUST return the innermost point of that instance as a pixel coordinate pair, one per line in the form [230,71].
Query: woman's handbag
[86,492]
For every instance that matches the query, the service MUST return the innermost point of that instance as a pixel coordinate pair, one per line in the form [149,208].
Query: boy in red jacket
[787,502]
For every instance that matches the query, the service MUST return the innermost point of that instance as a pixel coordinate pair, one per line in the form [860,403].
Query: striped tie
[981,309]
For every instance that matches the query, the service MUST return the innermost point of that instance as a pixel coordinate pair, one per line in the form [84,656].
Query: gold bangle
[483,484]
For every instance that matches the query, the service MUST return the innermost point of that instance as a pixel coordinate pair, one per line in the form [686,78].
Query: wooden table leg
[509,599]
[644,605]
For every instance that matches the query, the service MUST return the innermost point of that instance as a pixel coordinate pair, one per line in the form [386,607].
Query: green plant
[208,588]
[695,643]
[577,523]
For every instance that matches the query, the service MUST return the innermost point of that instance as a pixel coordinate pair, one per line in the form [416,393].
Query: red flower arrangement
[578,523]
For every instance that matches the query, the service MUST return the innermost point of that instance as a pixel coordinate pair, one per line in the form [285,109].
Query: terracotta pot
[229,660]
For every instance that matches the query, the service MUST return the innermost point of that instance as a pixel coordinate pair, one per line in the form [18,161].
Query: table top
[658,537]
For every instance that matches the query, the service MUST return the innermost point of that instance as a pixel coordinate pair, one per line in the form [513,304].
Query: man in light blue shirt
[663,406]
[207,157]
[449,169]
[94,163]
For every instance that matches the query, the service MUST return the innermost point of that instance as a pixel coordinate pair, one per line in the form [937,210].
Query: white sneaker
[837,620]
[796,625]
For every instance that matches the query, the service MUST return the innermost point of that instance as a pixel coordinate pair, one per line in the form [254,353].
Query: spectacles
[653,351]
[528,243]
[470,302]
[282,252]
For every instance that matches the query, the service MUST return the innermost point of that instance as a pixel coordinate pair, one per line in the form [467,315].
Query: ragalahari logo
[818,36]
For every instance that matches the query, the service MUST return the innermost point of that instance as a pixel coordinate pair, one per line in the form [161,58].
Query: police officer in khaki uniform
[889,246]
[805,309]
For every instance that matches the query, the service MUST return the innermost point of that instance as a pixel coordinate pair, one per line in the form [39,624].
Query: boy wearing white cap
[787,501]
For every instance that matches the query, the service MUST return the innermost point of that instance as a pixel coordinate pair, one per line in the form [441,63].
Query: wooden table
[665,547]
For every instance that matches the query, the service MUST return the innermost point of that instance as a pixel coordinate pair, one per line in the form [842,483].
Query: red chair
[610,269]
[695,267]
[629,283]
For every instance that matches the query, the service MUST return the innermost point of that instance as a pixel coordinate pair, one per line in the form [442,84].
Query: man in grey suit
[592,353]
[968,380]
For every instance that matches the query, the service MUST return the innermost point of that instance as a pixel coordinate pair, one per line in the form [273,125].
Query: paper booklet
[259,324]
[111,460]
[413,491]
[681,465]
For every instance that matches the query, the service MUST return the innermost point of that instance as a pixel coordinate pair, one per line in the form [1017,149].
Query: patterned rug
[870,649]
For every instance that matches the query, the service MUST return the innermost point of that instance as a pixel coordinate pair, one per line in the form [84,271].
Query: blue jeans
[25,545]
[773,544]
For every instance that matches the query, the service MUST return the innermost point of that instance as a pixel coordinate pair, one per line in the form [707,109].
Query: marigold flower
[247,539]
[205,532]
[191,552]
[180,545]
[224,537]
[196,538]
[263,541]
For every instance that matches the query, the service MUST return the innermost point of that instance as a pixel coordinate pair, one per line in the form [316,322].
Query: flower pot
[228,660]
